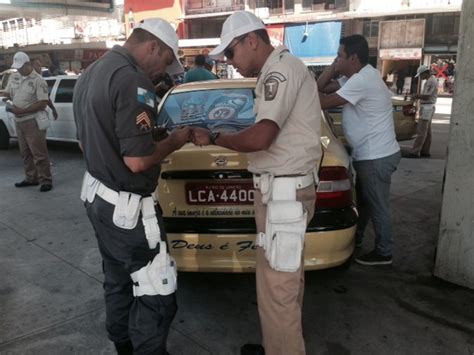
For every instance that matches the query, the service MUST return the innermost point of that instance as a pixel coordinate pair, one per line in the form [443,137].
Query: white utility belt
[127,207]
[288,184]
[159,276]
[286,219]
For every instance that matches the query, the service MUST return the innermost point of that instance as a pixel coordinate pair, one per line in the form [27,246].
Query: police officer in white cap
[29,94]
[283,147]
[428,96]
[114,109]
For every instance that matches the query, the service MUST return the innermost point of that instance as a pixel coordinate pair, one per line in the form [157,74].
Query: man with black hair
[367,121]
[199,72]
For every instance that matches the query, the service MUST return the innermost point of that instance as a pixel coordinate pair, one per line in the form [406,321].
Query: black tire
[4,136]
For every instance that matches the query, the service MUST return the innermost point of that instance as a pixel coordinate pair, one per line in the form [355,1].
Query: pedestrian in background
[199,72]
[429,95]
[29,94]
[209,65]
[115,109]
[37,66]
[283,147]
[400,82]
[367,122]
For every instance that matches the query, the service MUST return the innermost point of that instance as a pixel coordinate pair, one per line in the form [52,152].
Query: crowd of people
[114,118]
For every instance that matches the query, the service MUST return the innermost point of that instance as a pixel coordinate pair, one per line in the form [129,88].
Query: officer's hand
[179,136]
[201,136]
[159,133]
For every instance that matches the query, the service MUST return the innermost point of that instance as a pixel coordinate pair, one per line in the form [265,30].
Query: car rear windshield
[223,110]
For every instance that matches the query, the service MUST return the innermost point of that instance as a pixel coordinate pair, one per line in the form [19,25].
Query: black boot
[252,349]
[124,348]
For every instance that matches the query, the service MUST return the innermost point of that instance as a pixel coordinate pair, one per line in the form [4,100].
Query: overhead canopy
[314,43]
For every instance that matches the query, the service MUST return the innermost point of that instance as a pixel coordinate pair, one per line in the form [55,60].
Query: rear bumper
[228,245]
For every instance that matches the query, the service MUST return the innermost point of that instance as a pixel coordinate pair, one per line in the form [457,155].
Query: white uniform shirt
[367,118]
[26,90]
[287,94]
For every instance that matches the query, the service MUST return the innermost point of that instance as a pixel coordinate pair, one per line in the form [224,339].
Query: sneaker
[252,349]
[373,258]
[46,187]
[26,183]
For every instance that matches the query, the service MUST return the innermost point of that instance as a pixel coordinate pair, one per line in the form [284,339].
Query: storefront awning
[400,53]
[314,42]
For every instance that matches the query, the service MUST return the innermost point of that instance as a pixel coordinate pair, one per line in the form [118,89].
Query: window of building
[370,28]
[322,5]
[442,24]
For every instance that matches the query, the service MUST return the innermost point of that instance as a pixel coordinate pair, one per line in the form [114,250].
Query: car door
[64,127]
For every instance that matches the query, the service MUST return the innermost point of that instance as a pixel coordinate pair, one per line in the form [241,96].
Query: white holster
[158,277]
[285,227]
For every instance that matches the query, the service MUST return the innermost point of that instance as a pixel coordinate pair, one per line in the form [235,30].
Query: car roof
[216,84]
[60,77]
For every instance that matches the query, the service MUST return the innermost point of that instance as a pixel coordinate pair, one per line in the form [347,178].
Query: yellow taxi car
[404,114]
[206,193]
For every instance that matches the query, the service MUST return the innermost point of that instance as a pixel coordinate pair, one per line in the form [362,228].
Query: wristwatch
[213,137]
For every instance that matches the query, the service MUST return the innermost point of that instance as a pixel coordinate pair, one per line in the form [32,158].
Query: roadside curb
[439,301]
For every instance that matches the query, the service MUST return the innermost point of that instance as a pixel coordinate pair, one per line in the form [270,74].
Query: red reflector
[334,189]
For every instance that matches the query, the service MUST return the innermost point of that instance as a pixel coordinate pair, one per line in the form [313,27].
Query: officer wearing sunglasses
[283,143]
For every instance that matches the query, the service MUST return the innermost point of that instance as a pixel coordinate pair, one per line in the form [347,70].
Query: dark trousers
[145,320]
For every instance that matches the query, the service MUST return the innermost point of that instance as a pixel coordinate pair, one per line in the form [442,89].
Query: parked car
[206,193]
[63,129]
[404,114]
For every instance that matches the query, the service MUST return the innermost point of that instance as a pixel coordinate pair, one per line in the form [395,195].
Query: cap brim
[218,52]
[175,67]
[17,66]
[417,75]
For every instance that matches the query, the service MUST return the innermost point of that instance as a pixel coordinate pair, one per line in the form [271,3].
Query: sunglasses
[229,51]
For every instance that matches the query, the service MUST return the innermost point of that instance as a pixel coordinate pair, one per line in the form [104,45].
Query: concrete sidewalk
[51,293]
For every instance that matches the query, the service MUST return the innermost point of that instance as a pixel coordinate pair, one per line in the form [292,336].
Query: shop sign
[400,53]
[276,34]
[93,54]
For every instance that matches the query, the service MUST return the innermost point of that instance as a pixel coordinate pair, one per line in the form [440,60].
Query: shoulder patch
[44,86]
[271,82]
[146,97]
[143,121]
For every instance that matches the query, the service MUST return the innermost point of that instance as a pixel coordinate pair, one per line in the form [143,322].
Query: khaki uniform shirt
[287,94]
[26,90]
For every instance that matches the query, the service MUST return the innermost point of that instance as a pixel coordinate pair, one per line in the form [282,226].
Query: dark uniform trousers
[144,320]
[280,294]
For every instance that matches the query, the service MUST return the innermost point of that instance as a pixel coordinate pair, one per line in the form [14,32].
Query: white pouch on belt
[89,187]
[158,277]
[127,210]
[284,234]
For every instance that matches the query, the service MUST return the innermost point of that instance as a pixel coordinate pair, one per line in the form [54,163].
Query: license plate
[222,193]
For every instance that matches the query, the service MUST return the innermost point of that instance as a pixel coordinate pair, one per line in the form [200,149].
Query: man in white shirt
[367,121]
[428,97]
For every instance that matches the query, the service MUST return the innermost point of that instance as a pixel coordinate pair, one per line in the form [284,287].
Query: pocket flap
[285,211]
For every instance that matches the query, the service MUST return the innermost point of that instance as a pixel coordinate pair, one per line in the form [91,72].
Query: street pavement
[51,290]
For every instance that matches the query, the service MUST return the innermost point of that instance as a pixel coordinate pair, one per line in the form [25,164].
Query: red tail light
[334,189]
[409,110]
